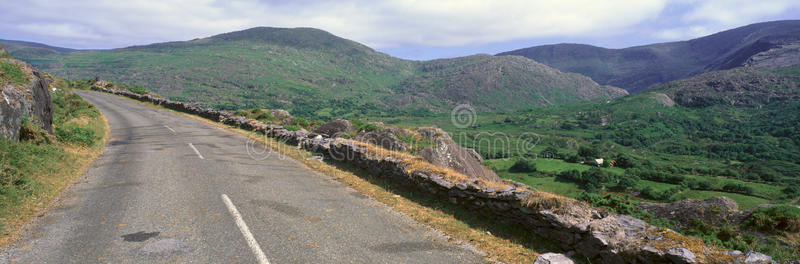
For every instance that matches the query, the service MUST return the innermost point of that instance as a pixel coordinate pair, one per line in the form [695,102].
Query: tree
[627,182]
[587,152]
[623,161]
[523,165]
[549,152]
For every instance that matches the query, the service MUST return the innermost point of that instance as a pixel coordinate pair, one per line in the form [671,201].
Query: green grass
[12,73]
[32,172]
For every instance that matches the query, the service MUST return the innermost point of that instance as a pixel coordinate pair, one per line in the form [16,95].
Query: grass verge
[508,243]
[33,173]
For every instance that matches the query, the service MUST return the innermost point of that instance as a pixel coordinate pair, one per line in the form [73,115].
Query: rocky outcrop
[447,153]
[596,234]
[388,138]
[334,128]
[717,210]
[24,100]
[553,258]
[780,53]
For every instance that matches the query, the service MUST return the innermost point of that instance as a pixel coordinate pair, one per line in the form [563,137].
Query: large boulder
[334,128]
[714,211]
[553,258]
[28,100]
[388,138]
[447,153]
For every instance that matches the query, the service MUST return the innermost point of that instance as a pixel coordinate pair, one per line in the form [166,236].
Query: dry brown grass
[548,201]
[498,249]
[413,163]
[672,240]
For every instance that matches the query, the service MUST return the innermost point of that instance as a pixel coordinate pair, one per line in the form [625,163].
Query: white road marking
[195,151]
[251,241]
[170,129]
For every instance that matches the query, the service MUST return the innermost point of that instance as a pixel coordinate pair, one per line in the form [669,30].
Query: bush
[292,127]
[137,89]
[570,176]
[34,133]
[301,122]
[624,162]
[738,188]
[74,134]
[792,191]
[523,165]
[627,182]
[776,218]
[550,152]
[587,152]
[361,126]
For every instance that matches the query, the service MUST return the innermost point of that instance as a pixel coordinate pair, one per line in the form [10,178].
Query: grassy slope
[315,74]
[703,143]
[33,175]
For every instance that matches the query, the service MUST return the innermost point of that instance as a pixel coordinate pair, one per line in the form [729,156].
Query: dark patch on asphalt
[252,178]
[139,236]
[113,185]
[402,247]
[118,142]
[283,208]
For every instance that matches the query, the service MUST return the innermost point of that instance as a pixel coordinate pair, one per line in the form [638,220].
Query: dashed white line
[195,151]
[170,129]
[251,241]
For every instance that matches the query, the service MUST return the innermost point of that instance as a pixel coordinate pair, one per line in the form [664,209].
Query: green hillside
[316,74]
[687,128]
[733,133]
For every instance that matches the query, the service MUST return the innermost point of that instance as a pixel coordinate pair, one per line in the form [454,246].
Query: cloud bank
[379,24]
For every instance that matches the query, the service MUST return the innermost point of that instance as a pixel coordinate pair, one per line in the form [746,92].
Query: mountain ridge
[639,67]
[315,73]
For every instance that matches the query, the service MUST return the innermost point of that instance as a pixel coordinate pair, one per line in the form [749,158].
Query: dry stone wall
[593,233]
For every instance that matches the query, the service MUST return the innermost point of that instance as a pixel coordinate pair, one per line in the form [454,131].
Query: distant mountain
[743,86]
[317,74]
[637,68]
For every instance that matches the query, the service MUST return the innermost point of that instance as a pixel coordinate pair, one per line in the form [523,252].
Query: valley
[716,118]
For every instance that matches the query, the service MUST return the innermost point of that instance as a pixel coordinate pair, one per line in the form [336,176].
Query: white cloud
[376,23]
[683,33]
[737,12]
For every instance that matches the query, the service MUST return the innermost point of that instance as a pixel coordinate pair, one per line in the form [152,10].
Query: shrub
[550,152]
[292,127]
[738,188]
[74,134]
[629,181]
[361,126]
[523,165]
[624,162]
[569,176]
[792,191]
[301,122]
[776,218]
[33,133]
[587,152]
[137,89]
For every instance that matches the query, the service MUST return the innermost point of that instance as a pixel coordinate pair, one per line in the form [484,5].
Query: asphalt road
[157,195]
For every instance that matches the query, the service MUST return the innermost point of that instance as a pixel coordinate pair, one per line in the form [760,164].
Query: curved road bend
[171,189]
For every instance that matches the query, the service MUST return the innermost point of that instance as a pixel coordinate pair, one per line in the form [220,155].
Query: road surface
[171,189]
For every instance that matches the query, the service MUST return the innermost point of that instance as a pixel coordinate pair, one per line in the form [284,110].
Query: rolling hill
[316,74]
[637,68]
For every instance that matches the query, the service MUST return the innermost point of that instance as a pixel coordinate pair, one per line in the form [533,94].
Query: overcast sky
[408,29]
